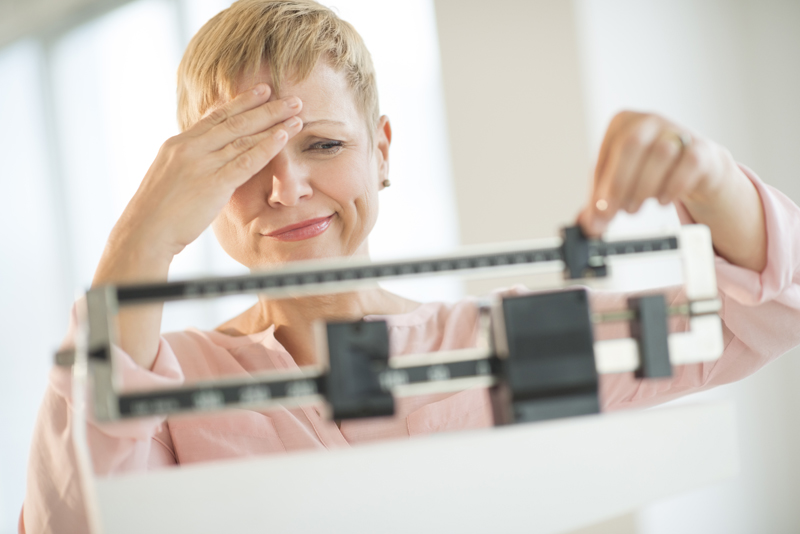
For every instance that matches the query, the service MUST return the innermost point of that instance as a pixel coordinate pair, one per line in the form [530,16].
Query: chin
[301,254]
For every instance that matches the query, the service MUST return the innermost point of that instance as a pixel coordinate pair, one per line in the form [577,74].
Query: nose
[290,184]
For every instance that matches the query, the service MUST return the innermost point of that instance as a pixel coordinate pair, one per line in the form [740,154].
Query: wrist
[735,216]
[132,258]
[720,191]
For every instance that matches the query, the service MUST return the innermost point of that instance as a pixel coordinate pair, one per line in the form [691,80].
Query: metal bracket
[649,328]
[547,367]
[358,356]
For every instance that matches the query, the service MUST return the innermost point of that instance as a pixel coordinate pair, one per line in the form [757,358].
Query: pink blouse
[761,315]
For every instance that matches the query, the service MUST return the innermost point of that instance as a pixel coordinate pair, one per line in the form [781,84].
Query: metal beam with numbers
[491,365]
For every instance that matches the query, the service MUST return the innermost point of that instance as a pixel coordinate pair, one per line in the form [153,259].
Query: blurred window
[32,303]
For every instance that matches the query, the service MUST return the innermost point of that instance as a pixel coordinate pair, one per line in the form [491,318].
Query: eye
[326,147]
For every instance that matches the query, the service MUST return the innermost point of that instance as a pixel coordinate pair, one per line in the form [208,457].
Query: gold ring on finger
[684,140]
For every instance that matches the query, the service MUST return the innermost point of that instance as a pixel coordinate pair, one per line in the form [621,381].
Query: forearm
[130,258]
[735,216]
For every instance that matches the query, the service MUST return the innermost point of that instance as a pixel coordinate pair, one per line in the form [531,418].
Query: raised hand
[197,171]
[192,178]
[644,155]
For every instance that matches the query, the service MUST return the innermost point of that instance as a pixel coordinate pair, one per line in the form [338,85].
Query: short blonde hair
[290,36]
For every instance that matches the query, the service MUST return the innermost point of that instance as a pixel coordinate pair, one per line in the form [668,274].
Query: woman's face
[318,198]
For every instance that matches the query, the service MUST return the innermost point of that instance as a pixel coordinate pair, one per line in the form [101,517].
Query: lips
[302,230]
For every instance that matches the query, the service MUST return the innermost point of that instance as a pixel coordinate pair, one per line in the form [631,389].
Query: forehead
[325,92]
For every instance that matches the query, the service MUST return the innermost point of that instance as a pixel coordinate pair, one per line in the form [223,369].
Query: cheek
[352,184]
[369,207]
[229,226]
[353,188]
[246,200]
[225,232]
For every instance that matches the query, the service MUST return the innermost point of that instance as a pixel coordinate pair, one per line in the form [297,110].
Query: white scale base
[546,478]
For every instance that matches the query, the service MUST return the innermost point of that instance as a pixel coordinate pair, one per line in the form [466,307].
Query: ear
[383,138]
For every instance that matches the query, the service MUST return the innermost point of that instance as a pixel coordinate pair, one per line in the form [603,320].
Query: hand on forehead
[325,92]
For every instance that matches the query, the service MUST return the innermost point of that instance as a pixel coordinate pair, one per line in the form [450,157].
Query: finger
[241,145]
[689,170]
[626,156]
[658,163]
[253,98]
[618,123]
[585,221]
[241,168]
[251,122]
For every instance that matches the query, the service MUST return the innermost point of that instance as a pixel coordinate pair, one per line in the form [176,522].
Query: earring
[386,183]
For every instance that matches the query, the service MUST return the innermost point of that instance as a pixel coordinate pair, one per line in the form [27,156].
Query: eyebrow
[322,121]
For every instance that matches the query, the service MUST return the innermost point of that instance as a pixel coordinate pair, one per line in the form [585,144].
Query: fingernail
[281,135]
[260,89]
[293,122]
[293,102]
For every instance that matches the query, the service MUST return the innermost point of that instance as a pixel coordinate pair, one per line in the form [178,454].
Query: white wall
[31,295]
[516,121]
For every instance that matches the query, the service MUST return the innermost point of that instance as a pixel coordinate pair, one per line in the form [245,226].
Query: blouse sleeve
[760,314]
[54,499]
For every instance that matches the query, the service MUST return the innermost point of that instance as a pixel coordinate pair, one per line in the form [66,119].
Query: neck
[350,306]
[294,318]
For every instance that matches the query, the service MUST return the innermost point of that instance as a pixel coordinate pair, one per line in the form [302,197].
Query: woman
[284,154]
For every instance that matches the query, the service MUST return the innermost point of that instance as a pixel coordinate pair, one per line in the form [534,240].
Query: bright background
[498,110]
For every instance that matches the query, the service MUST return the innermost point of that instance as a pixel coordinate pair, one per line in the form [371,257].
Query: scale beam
[337,276]
[536,352]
